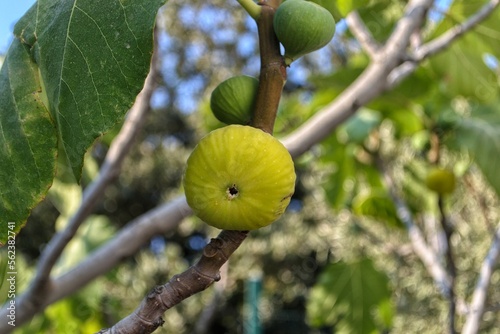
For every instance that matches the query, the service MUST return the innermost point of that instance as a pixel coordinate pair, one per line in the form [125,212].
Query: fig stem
[251,7]
[272,70]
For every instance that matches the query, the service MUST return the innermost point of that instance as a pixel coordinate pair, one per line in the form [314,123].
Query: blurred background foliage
[339,260]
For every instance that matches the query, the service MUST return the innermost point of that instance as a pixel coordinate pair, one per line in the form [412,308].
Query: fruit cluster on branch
[240,177]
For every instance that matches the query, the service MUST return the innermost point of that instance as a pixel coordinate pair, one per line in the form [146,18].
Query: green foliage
[339,193]
[479,135]
[62,89]
[462,66]
[352,297]
[378,205]
[358,128]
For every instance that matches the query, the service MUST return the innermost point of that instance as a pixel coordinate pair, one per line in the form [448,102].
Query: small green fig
[239,178]
[233,100]
[440,180]
[302,27]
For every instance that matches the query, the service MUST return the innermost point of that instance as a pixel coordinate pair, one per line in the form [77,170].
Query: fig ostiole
[233,100]
[239,178]
[440,180]
[302,27]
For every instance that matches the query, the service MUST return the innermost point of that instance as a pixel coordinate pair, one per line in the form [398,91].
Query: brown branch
[148,316]
[209,312]
[450,263]
[272,72]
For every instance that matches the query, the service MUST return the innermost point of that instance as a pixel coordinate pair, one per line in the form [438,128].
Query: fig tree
[239,178]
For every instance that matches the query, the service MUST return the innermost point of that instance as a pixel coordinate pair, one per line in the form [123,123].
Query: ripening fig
[302,27]
[232,101]
[440,180]
[239,178]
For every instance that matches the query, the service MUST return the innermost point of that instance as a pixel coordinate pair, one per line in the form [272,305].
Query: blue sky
[10,12]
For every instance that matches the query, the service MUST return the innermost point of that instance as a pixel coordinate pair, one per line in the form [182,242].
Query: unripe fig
[239,178]
[302,27]
[440,180]
[232,101]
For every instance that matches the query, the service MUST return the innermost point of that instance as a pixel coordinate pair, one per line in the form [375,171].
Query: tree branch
[272,71]
[362,34]
[440,43]
[369,85]
[480,292]
[148,316]
[450,262]
[207,316]
[125,243]
[426,254]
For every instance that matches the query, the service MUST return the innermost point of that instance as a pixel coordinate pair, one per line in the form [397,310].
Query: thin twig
[362,34]
[440,43]
[480,292]
[369,85]
[426,254]
[450,261]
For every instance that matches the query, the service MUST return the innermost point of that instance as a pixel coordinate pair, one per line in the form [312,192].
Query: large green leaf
[27,141]
[72,72]
[480,136]
[352,297]
[93,58]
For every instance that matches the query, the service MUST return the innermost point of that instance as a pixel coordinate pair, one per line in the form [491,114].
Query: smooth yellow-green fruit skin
[233,100]
[440,180]
[239,178]
[302,27]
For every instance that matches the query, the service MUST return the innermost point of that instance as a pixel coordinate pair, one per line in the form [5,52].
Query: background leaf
[378,205]
[349,296]
[462,66]
[479,135]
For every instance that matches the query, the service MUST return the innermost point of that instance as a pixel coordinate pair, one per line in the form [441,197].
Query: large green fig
[239,178]
[233,100]
[302,27]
